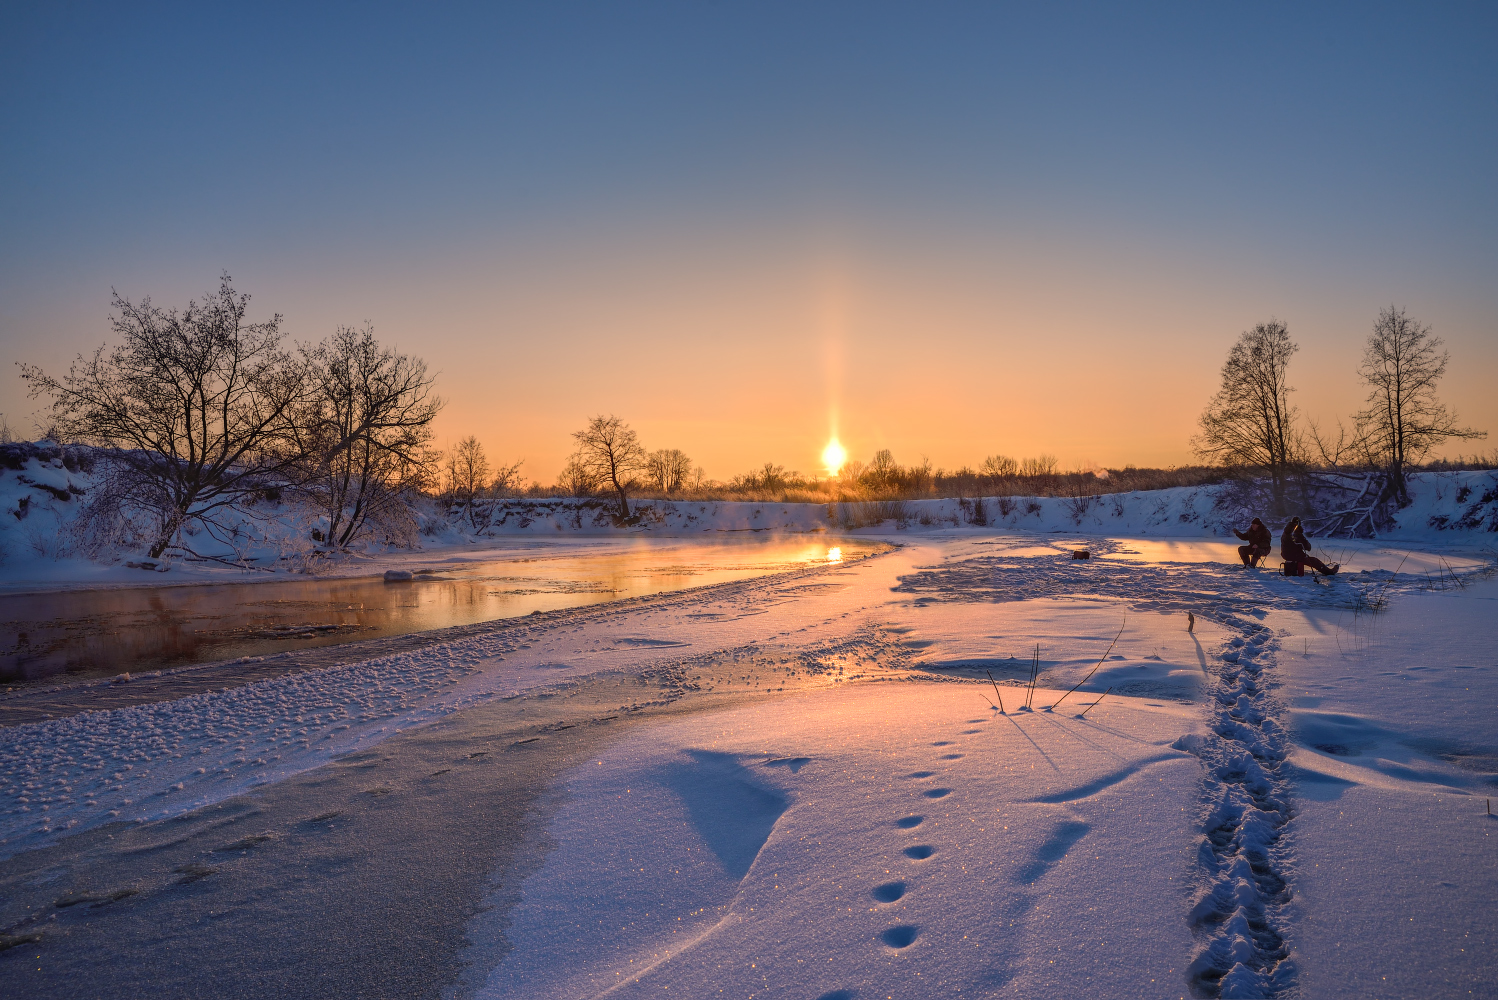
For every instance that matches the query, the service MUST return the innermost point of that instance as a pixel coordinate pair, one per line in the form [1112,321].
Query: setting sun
[833,456]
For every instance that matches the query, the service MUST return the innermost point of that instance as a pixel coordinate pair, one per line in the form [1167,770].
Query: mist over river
[78,634]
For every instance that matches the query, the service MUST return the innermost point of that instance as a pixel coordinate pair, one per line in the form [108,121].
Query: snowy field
[804,786]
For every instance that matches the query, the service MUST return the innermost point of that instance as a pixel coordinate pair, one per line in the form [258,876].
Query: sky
[950,230]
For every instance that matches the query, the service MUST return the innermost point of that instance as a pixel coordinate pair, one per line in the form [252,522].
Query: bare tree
[507,481]
[1250,422]
[999,465]
[611,451]
[883,472]
[1042,465]
[1404,420]
[369,435]
[577,479]
[918,478]
[195,406]
[467,472]
[668,469]
[769,477]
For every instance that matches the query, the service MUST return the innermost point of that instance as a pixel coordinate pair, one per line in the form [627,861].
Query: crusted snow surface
[1393,751]
[873,840]
[1242,912]
[158,760]
[903,835]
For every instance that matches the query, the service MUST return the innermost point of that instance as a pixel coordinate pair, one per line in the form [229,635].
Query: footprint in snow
[952,756]
[888,892]
[900,936]
[920,774]
[910,822]
[920,852]
[938,793]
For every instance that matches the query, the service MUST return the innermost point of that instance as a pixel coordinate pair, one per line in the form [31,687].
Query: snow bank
[1446,506]
[43,486]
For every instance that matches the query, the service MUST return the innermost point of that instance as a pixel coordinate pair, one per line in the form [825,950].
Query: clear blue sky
[951,229]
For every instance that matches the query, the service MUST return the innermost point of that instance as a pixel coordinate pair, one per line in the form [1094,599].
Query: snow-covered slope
[1446,506]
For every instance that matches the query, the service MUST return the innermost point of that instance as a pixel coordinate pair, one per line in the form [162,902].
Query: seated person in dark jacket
[1259,541]
[1296,548]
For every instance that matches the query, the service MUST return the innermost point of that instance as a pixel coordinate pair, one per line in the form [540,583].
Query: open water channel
[59,635]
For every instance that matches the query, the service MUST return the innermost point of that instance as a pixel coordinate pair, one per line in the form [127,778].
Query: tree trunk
[168,530]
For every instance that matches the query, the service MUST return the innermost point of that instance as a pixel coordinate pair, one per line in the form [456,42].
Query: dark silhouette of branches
[1250,422]
[609,451]
[997,466]
[467,473]
[577,479]
[1404,420]
[366,436]
[195,408]
[668,470]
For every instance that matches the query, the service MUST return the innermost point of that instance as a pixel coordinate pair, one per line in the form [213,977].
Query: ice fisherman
[1296,548]
[1259,541]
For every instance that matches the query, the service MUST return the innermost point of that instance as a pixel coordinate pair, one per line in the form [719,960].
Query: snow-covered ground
[1275,790]
[1395,759]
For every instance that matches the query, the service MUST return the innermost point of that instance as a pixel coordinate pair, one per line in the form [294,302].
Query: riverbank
[44,547]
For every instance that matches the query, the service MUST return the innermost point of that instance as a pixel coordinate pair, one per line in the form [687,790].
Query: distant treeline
[198,421]
[885,479]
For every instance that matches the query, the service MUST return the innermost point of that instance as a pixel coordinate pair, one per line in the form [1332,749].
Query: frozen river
[99,633]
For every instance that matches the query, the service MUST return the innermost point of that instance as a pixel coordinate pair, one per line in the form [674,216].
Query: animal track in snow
[900,936]
[920,852]
[920,774]
[942,743]
[910,822]
[952,756]
[888,892]
[937,793]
